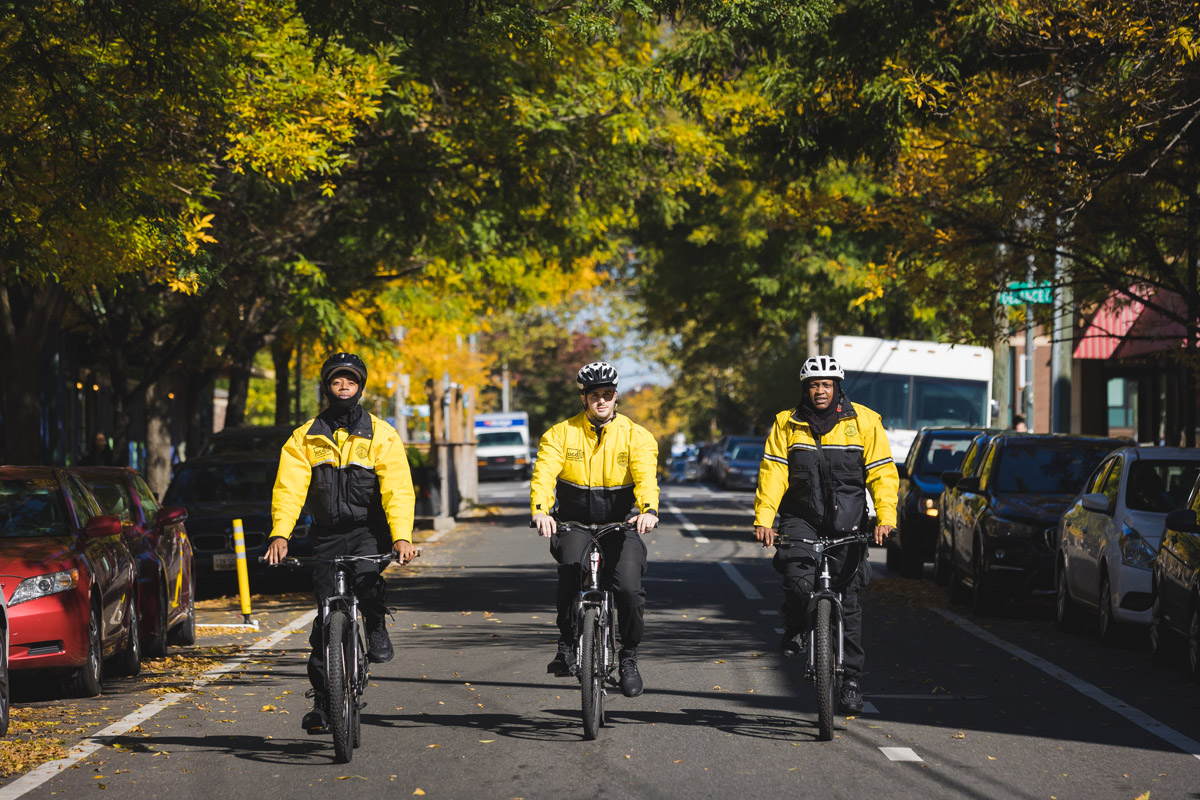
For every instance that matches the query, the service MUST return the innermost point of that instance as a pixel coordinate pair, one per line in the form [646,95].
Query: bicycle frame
[343,599]
[591,595]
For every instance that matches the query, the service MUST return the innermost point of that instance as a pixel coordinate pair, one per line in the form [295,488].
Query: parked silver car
[1109,536]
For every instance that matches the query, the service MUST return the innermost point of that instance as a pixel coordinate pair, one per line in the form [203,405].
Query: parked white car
[1109,537]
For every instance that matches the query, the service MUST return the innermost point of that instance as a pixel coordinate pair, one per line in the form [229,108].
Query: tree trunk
[158,437]
[27,317]
[1193,326]
[239,389]
[281,355]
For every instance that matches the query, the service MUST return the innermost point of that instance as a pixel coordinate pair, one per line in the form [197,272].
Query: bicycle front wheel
[339,669]
[825,663]
[358,683]
[591,673]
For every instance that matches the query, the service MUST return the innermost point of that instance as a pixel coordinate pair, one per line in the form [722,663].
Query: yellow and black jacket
[823,481]
[349,478]
[595,478]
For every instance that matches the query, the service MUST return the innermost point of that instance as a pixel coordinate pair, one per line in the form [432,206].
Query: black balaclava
[822,422]
[342,413]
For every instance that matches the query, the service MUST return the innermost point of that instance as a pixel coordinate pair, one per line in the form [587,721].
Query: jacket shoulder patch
[574,454]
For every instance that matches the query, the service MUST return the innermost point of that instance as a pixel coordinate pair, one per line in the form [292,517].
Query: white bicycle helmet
[822,367]
[596,374]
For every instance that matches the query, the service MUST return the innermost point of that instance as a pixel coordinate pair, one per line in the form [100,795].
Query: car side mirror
[1096,501]
[951,478]
[107,525]
[968,484]
[170,515]
[1183,520]
[1050,537]
[902,470]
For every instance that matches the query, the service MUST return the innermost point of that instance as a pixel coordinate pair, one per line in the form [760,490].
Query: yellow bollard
[239,549]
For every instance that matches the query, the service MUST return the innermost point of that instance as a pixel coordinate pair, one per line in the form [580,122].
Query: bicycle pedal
[317,731]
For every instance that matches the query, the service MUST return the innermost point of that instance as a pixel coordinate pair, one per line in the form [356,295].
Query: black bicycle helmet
[596,375]
[343,362]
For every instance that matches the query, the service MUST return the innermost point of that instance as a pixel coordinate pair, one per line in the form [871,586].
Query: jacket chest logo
[361,451]
[574,454]
[322,451]
[851,430]
[623,459]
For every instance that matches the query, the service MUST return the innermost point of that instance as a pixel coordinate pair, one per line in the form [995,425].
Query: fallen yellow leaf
[419,792]
[268,707]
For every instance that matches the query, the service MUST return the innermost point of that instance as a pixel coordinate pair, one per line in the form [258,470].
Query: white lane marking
[779,630]
[747,588]
[435,536]
[686,524]
[39,775]
[900,754]
[1136,716]
[869,708]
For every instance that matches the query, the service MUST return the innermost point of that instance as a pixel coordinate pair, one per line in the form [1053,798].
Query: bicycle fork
[824,581]
[343,598]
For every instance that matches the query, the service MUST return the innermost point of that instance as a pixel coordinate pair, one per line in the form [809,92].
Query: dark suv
[933,451]
[1023,485]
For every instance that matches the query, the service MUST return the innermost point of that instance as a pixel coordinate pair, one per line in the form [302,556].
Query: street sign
[1021,292]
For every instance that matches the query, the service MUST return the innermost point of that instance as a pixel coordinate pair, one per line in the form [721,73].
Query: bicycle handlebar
[310,561]
[827,542]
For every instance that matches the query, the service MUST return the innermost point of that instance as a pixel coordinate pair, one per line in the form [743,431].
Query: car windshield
[1047,467]
[500,438]
[246,440]
[746,452]
[31,507]
[1160,486]
[217,483]
[943,453]
[113,497]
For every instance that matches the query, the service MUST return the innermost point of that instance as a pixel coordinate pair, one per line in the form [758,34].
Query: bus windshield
[908,402]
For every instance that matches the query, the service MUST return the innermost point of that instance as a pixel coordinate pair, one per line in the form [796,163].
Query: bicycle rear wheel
[591,673]
[339,670]
[825,658]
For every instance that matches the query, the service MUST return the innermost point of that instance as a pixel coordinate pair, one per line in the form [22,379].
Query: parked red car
[68,577]
[158,541]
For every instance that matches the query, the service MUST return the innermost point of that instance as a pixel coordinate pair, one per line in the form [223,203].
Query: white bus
[915,385]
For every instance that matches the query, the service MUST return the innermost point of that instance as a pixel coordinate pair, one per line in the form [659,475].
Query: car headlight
[930,507]
[44,585]
[1136,551]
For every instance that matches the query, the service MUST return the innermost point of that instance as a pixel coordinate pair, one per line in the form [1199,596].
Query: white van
[503,445]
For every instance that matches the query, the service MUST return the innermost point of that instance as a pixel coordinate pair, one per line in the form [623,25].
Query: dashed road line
[900,754]
[686,523]
[39,775]
[1136,716]
[746,587]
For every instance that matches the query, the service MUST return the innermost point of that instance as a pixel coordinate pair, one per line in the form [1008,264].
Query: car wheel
[911,563]
[941,564]
[1193,650]
[185,632]
[958,586]
[5,691]
[982,602]
[1110,629]
[1066,613]
[129,661]
[157,647]
[87,682]
[1160,637]
[893,555]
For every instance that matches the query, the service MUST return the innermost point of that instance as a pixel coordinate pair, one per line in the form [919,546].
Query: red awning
[1124,327]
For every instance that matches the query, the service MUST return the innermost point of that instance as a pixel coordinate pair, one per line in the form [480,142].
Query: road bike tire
[360,680]
[338,690]
[825,662]
[591,673]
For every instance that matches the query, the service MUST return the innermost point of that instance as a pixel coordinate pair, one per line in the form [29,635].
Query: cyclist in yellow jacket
[598,467]
[351,468]
[819,461]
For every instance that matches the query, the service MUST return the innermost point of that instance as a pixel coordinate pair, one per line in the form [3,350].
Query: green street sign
[1021,292]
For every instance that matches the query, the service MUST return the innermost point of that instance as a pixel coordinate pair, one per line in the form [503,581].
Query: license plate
[224,561]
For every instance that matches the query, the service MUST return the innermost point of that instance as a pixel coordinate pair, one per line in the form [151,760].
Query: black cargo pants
[797,563]
[368,587]
[623,563]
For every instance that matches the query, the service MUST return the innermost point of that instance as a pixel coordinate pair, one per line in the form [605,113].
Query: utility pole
[505,395]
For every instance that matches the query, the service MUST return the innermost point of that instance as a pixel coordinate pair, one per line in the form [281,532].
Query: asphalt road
[1002,707]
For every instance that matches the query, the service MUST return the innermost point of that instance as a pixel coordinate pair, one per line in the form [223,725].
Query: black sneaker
[851,701]
[314,721]
[563,661]
[631,679]
[379,644]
